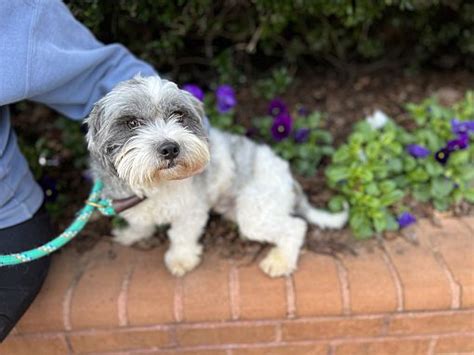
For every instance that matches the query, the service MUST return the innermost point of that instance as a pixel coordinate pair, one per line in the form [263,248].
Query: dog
[147,138]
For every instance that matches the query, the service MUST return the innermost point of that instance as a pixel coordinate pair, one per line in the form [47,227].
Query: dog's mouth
[171,164]
[168,165]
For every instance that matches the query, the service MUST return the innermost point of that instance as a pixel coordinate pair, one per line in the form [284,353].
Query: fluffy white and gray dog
[147,138]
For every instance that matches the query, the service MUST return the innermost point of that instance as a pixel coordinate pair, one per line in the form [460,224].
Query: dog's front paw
[181,260]
[276,264]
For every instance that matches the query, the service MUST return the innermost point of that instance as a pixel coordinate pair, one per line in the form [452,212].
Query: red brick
[315,349]
[456,244]
[469,222]
[260,296]
[424,282]
[385,347]
[95,298]
[46,312]
[332,328]
[317,287]
[462,321]
[206,291]
[27,345]
[455,344]
[151,290]
[226,335]
[372,289]
[116,340]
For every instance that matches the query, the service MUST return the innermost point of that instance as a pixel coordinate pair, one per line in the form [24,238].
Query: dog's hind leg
[264,209]
[284,231]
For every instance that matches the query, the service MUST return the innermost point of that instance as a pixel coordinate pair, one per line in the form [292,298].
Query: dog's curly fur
[243,181]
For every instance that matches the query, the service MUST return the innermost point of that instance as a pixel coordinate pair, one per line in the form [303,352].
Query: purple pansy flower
[442,155]
[405,219]
[225,98]
[302,135]
[195,90]
[460,127]
[276,107]
[461,142]
[281,127]
[418,151]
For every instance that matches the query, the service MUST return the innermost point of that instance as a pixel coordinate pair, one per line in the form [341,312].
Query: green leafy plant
[304,147]
[363,172]
[275,85]
[428,180]
[377,169]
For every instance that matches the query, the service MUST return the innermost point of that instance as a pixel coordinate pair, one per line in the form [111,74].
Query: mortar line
[122,301]
[234,292]
[396,279]
[178,300]
[345,288]
[290,297]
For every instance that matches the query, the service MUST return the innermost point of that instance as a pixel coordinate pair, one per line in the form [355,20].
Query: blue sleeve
[53,59]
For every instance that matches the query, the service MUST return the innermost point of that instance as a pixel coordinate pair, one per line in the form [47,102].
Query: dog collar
[123,204]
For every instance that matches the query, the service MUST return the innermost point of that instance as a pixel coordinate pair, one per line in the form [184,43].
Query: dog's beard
[140,165]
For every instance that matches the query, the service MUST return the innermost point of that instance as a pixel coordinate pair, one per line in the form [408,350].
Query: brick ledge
[119,299]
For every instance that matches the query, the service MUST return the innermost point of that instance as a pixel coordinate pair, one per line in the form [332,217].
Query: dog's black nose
[169,150]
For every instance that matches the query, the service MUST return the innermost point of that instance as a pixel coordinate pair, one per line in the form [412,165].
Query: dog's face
[147,130]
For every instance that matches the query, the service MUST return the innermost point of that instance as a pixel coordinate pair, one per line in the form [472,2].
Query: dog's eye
[133,123]
[178,115]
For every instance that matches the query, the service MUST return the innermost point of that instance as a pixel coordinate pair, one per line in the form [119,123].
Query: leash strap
[94,201]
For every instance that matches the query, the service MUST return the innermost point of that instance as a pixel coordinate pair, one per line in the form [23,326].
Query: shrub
[216,37]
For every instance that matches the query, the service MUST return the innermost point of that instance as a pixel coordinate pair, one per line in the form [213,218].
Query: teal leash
[94,201]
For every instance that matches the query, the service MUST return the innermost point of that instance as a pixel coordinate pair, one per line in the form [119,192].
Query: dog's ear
[93,122]
[197,105]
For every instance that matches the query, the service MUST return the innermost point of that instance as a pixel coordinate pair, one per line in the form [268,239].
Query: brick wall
[397,299]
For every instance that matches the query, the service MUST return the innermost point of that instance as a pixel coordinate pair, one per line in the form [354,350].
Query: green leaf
[409,163]
[422,192]
[469,195]
[363,232]
[441,204]
[357,220]
[337,173]
[392,224]
[433,168]
[327,150]
[457,196]
[396,165]
[380,222]
[391,197]
[322,136]
[467,173]
[336,203]
[441,187]
[372,189]
[459,157]
[418,175]
[387,186]
[342,154]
